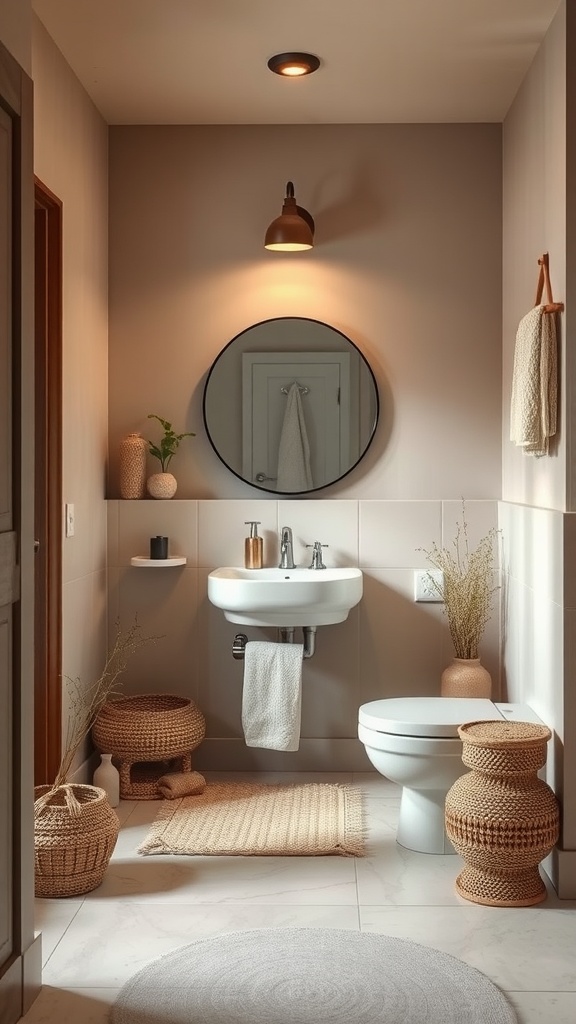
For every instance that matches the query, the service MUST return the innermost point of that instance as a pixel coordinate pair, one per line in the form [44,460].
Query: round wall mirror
[290,405]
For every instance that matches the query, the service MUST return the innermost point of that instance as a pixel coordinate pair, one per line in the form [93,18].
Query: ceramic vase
[162,485]
[500,817]
[466,677]
[107,777]
[133,450]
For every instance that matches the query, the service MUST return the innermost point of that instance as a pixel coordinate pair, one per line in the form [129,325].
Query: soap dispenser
[253,546]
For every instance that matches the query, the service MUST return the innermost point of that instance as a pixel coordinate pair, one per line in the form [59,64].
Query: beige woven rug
[246,819]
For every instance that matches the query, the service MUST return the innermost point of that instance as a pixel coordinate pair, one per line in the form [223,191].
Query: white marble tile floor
[148,906]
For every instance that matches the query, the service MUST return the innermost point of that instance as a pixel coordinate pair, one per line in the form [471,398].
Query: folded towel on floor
[294,472]
[177,784]
[271,698]
[533,409]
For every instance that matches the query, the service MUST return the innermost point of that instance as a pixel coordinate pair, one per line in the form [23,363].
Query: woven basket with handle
[75,832]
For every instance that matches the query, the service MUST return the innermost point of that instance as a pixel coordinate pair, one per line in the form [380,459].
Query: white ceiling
[204,61]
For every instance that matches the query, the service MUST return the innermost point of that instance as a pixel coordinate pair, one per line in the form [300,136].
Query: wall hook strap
[301,388]
[544,282]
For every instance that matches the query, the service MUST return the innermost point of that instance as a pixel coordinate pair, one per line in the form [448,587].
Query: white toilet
[414,742]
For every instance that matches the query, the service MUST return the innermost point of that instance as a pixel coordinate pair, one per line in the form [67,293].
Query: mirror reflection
[290,405]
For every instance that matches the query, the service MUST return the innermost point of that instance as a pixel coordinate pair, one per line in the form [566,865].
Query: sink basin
[285,597]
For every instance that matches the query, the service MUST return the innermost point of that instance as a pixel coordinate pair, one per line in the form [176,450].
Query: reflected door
[324,378]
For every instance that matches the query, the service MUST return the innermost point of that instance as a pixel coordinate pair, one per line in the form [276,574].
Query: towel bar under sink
[285,636]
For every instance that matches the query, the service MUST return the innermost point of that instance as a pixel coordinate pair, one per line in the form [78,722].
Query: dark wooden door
[8,573]
[47,483]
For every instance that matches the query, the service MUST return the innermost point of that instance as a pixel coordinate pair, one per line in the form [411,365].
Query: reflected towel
[271,698]
[294,449]
[533,408]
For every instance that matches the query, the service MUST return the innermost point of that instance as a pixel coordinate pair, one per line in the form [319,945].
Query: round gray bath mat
[309,976]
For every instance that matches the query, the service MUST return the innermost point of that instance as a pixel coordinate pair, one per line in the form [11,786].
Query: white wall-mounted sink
[285,597]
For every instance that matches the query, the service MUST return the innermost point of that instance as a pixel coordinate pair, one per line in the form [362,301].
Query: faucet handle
[317,562]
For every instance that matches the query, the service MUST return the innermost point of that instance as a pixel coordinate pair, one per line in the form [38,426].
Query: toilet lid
[425,716]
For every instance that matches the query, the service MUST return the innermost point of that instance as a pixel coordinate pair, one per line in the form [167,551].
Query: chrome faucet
[317,562]
[286,549]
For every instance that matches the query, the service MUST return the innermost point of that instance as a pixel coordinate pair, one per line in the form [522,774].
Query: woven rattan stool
[500,817]
[149,735]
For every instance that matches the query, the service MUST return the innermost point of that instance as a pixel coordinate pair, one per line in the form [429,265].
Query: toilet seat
[433,717]
[423,746]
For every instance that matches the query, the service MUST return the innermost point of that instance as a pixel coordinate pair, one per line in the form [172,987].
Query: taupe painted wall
[537,517]
[16,31]
[71,158]
[407,264]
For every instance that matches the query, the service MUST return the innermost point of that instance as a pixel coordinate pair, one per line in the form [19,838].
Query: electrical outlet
[424,588]
[70,520]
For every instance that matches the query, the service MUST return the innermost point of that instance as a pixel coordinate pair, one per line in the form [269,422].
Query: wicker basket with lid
[500,817]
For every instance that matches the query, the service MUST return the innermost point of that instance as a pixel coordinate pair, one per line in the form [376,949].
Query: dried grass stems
[468,587]
[85,702]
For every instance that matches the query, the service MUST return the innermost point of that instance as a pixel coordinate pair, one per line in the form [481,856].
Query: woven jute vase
[162,485]
[466,677]
[75,832]
[500,817]
[133,449]
[149,734]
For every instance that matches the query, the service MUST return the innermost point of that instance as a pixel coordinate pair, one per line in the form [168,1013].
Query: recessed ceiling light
[293,65]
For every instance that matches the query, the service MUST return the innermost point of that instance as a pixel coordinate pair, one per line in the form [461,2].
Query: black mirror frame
[272,490]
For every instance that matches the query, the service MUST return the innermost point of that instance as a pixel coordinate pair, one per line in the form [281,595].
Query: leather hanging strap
[544,282]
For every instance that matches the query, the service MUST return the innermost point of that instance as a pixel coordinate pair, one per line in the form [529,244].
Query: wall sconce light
[293,65]
[293,230]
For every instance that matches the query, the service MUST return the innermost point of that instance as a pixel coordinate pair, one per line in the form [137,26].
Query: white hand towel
[271,698]
[294,449]
[533,407]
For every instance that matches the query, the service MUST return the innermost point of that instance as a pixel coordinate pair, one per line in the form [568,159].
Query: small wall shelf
[142,561]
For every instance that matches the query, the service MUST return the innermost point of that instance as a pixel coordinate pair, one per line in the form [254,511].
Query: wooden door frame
[48,483]
[20,975]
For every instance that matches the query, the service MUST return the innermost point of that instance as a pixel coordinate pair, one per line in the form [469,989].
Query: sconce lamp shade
[293,230]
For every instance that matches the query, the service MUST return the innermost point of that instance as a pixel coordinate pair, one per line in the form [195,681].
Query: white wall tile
[393,534]
[138,521]
[389,645]
[401,642]
[165,603]
[112,532]
[479,518]
[334,523]
[222,531]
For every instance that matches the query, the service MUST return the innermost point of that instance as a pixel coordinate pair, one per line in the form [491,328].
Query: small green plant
[165,450]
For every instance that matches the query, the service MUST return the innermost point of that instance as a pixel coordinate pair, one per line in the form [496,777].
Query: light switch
[70,522]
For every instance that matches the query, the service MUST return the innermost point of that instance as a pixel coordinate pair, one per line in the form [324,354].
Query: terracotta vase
[162,485]
[466,677]
[133,450]
[500,817]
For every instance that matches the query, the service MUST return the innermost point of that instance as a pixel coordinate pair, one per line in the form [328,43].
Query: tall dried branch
[468,586]
[85,702]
